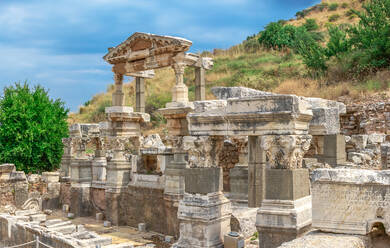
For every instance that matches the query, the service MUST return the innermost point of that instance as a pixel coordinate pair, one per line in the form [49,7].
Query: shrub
[349,12]
[333,6]
[371,37]
[312,53]
[300,14]
[338,42]
[334,17]
[32,127]
[344,5]
[322,6]
[277,35]
[310,25]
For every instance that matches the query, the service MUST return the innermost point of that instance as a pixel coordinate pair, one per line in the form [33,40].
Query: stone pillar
[118,177]
[99,163]
[118,97]
[180,90]
[66,157]
[81,177]
[204,212]
[285,211]
[385,156]
[139,94]
[256,172]
[200,91]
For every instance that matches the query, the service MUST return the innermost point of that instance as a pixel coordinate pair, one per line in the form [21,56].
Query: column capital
[285,151]
[179,68]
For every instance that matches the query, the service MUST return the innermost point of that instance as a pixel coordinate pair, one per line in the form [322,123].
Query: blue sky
[60,43]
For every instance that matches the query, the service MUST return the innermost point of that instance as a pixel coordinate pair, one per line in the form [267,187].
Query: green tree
[311,25]
[32,127]
[371,37]
[338,42]
[313,55]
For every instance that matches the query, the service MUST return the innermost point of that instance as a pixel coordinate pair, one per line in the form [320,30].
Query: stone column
[285,211]
[204,212]
[66,157]
[139,94]
[200,91]
[81,177]
[99,163]
[256,172]
[180,90]
[118,177]
[118,97]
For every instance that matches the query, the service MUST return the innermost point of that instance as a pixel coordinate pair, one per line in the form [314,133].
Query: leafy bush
[350,12]
[276,35]
[312,53]
[333,6]
[338,42]
[322,6]
[32,126]
[310,25]
[300,14]
[334,17]
[344,5]
[371,37]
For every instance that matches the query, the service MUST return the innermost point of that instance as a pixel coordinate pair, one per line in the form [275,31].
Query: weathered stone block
[225,93]
[7,168]
[287,184]
[204,220]
[203,180]
[239,183]
[233,241]
[325,121]
[350,201]
[51,177]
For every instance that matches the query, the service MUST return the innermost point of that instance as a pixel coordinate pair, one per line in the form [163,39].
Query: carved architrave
[285,151]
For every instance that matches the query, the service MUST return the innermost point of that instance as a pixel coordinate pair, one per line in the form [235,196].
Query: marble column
[140,94]
[81,177]
[66,157]
[200,90]
[180,90]
[286,211]
[99,163]
[118,97]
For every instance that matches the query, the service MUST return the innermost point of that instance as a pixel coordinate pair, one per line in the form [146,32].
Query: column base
[204,220]
[279,221]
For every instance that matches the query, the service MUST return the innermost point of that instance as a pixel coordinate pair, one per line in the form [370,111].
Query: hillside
[249,64]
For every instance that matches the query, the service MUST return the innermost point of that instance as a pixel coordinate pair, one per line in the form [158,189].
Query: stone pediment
[140,46]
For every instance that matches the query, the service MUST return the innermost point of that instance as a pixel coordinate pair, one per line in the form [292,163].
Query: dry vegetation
[254,67]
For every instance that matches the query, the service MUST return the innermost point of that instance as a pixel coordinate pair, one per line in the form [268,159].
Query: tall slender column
[200,92]
[180,90]
[118,97]
[256,174]
[140,94]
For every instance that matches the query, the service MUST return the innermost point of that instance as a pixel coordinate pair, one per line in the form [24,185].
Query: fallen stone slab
[327,240]
[38,217]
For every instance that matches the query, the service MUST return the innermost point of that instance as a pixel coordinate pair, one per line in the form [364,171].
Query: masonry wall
[147,205]
[370,116]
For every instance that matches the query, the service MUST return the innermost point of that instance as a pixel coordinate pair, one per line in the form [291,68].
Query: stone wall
[370,116]
[147,205]
[16,188]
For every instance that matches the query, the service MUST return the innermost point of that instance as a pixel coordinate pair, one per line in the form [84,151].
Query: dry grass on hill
[268,70]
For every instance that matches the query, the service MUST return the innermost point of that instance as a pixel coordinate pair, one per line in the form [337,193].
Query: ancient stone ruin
[249,169]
